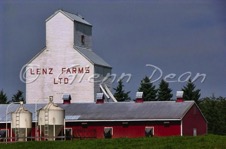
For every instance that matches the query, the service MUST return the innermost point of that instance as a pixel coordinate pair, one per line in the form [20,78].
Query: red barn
[124,119]
[115,120]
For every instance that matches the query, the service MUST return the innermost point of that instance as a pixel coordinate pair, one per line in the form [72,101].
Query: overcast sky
[177,36]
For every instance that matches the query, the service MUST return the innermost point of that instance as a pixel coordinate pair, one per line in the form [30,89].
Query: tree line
[151,93]
[15,98]
[214,110]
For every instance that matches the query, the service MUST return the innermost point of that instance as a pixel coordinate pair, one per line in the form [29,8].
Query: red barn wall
[194,120]
[120,130]
[3,127]
[171,129]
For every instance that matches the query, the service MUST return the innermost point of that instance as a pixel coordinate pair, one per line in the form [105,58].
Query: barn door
[68,133]
[149,131]
[108,132]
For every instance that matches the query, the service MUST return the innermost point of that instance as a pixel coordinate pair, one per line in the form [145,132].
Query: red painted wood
[100,101]
[67,102]
[180,100]
[194,119]
[139,100]
[130,130]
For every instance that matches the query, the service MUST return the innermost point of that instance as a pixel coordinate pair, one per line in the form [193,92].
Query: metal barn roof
[124,111]
[129,111]
[71,16]
[92,57]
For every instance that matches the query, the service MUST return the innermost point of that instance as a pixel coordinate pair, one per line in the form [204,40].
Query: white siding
[80,88]
[59,53]
[59,32]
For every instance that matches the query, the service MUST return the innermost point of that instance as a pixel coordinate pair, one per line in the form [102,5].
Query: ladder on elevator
[46,126]
[17,125]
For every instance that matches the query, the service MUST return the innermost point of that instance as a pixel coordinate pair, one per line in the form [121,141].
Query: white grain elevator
[67,64]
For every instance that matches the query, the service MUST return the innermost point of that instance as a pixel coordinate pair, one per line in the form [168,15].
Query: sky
[175,40]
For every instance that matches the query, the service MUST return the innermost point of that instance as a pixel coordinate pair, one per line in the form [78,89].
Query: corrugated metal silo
[21,123]
[51,120]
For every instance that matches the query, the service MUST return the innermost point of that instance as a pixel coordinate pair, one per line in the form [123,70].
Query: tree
[3,97]
[120,94]
[18,96]
[148,89]
[214,111]
[190,93]
[164,92]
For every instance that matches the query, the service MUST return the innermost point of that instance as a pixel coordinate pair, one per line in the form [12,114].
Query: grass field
[205,142]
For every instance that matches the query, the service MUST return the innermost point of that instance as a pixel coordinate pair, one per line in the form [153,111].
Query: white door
[194,132]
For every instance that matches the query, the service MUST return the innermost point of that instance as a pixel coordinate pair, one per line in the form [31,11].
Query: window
[108,132]
[166,124]
[83,39]
[84,125]
[125,124]
[149,131]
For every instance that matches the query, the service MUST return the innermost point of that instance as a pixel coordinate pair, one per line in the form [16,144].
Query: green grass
[205,142]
